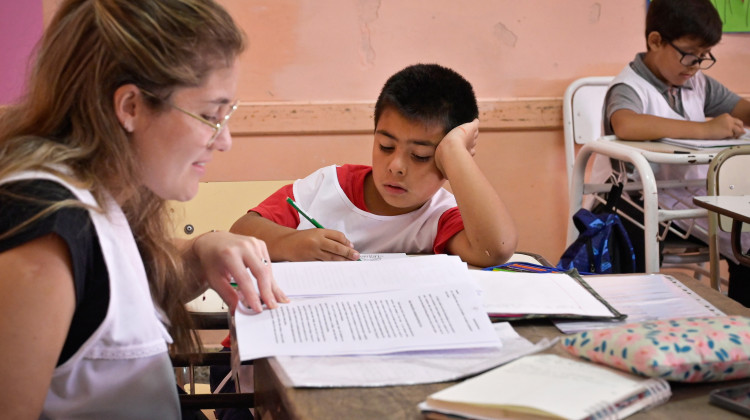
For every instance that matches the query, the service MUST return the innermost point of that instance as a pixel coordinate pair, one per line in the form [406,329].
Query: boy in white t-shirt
[664,93]
[426,132]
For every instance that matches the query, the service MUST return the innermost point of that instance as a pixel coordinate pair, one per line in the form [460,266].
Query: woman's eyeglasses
[217,127]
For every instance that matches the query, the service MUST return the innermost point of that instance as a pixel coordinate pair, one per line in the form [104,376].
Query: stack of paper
[394,305]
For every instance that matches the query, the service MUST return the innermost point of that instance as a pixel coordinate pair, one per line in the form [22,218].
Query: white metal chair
[582,110]
[727,175]
[582,118]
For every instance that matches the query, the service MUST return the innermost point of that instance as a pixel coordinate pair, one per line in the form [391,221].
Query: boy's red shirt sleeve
[276,208]
[449,225]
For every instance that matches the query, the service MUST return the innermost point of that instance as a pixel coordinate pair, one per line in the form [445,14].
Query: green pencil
[302,212]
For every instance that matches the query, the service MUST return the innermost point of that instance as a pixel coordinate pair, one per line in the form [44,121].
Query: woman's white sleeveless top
[123,370]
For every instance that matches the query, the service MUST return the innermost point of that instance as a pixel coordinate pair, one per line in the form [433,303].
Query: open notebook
[547,386]
[509,295]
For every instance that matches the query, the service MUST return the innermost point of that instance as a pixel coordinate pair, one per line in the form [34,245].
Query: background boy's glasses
[217,127]
[690,60]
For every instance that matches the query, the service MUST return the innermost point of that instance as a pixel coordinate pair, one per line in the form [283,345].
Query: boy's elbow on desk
[484,254]
[503,252]
[490,257]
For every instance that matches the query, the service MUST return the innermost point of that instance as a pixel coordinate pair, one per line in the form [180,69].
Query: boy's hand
[320,245]
[724,126]
[465,136]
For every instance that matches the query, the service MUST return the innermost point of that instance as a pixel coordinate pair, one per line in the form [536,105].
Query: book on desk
[547,386]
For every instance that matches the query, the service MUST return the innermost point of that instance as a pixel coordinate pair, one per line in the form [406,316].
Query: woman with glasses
[126,104]
[665,93]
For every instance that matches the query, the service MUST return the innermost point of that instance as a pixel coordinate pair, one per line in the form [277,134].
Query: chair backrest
[218,205]
[582,114]
[727,175]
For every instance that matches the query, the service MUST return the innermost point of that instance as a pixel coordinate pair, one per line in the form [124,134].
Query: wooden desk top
[274,400]
[734,206]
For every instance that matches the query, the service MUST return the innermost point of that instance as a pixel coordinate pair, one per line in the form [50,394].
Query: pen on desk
[302,212]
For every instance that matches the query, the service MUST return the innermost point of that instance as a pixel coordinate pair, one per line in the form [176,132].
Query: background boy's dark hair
[429,93]
[673,19]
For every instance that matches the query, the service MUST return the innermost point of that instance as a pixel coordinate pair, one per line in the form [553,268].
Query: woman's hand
[225,256]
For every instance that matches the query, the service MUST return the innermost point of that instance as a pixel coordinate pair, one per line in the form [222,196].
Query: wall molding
[311,118]
[314,118]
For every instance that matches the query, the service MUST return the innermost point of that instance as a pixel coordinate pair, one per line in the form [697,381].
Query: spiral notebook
[548,386]
[643,297]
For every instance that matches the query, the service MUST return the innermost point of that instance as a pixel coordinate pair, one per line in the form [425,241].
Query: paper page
[344,277]
[407,368]
[437,317]
[565,387]
[643,297]
[505,292]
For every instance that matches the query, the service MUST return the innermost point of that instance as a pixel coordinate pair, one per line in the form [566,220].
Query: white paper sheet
[644,298]
[408,368]
[437,317]
[305,279]
[506,292]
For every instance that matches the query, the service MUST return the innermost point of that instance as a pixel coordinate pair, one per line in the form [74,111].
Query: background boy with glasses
[664,93]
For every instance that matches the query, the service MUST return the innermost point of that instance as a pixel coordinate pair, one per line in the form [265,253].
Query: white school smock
[123,370]
[693,101]
[654,103]
[322,197]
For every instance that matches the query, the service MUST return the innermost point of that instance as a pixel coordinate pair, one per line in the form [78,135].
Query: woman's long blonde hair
[67,116]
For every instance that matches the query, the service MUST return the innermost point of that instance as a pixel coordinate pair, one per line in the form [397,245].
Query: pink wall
[20,29]
[344,50]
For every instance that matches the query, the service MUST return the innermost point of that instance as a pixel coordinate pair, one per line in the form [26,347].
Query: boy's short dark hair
[673,19]
[429,93]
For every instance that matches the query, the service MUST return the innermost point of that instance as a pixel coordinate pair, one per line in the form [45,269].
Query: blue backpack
[603,245]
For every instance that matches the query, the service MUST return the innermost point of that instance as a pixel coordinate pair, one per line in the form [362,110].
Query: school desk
[640,154]
[275,400]
[738,208]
